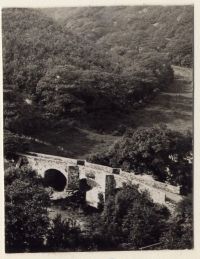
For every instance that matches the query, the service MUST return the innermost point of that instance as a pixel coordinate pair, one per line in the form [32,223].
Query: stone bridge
[66,175]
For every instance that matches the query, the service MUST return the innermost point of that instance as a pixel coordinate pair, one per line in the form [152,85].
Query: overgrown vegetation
[26,211]
[163,153]
[125,31]
[180,229]
[81,72]
[28,226]
[51,73]
[129,220]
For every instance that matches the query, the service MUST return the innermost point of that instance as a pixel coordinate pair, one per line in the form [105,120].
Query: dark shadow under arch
[55,179]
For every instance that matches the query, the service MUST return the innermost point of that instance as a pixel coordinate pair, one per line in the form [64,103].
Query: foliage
[21,114]
[33,42]
[74,92]
[63,235]
[130,219]
[26,211]
[101,201]
[28,226]
[158,151]
[13,143]
[180,230]
[124,31]
[80,67]
[51,73]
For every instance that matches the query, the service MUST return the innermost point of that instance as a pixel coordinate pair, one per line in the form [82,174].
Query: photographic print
[98,128]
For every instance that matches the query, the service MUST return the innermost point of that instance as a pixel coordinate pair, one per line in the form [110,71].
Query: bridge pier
[73,177]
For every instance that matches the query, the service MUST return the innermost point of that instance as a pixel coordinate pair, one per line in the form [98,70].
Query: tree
[63,235]
[13,143]
[26,213]
[132,29]
[158,151]
[130,220]
[67,91]
[180,228]
[64,75]
[21,114]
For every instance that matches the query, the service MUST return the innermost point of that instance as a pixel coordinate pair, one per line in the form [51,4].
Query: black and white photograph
[98,128]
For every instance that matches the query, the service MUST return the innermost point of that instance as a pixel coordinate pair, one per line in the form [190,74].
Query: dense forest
[88,76]
[42,56]
[74,70]
[124,31]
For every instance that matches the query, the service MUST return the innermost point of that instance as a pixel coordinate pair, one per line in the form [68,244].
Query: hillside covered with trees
[126,31]
[80,66]
[51,72]
[99,83]
[41,57]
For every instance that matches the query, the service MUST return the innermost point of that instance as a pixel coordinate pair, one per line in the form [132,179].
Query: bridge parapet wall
[50,157]
[102,168]
[151,182]
[156,195]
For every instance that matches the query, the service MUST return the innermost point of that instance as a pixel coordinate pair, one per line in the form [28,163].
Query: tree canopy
[129,220]
[52,72]
[89,63]
[180,230]
[127,30]
[26,211]
[159,151]
[28,227]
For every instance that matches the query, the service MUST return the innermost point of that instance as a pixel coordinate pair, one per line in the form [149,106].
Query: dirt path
[174,107]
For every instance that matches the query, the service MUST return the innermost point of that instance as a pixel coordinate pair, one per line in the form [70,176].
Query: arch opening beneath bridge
[55,179]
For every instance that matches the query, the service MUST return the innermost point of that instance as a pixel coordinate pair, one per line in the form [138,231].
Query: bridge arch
[55,179]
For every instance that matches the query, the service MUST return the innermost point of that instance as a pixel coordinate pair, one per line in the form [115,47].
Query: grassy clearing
[174,107]
[74,143]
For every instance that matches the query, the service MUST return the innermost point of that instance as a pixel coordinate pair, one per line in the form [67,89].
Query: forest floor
[174,108]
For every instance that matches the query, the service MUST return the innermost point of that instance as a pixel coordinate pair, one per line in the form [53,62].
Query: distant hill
[126,30]
[64,74]
[34,43]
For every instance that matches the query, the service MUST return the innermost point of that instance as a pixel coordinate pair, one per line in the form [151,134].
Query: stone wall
[148,180]
[101,168]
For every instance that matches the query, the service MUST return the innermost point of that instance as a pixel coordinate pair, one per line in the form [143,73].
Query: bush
[180,227]
[129,218]
[63,235]
[157,150]
[26,222]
